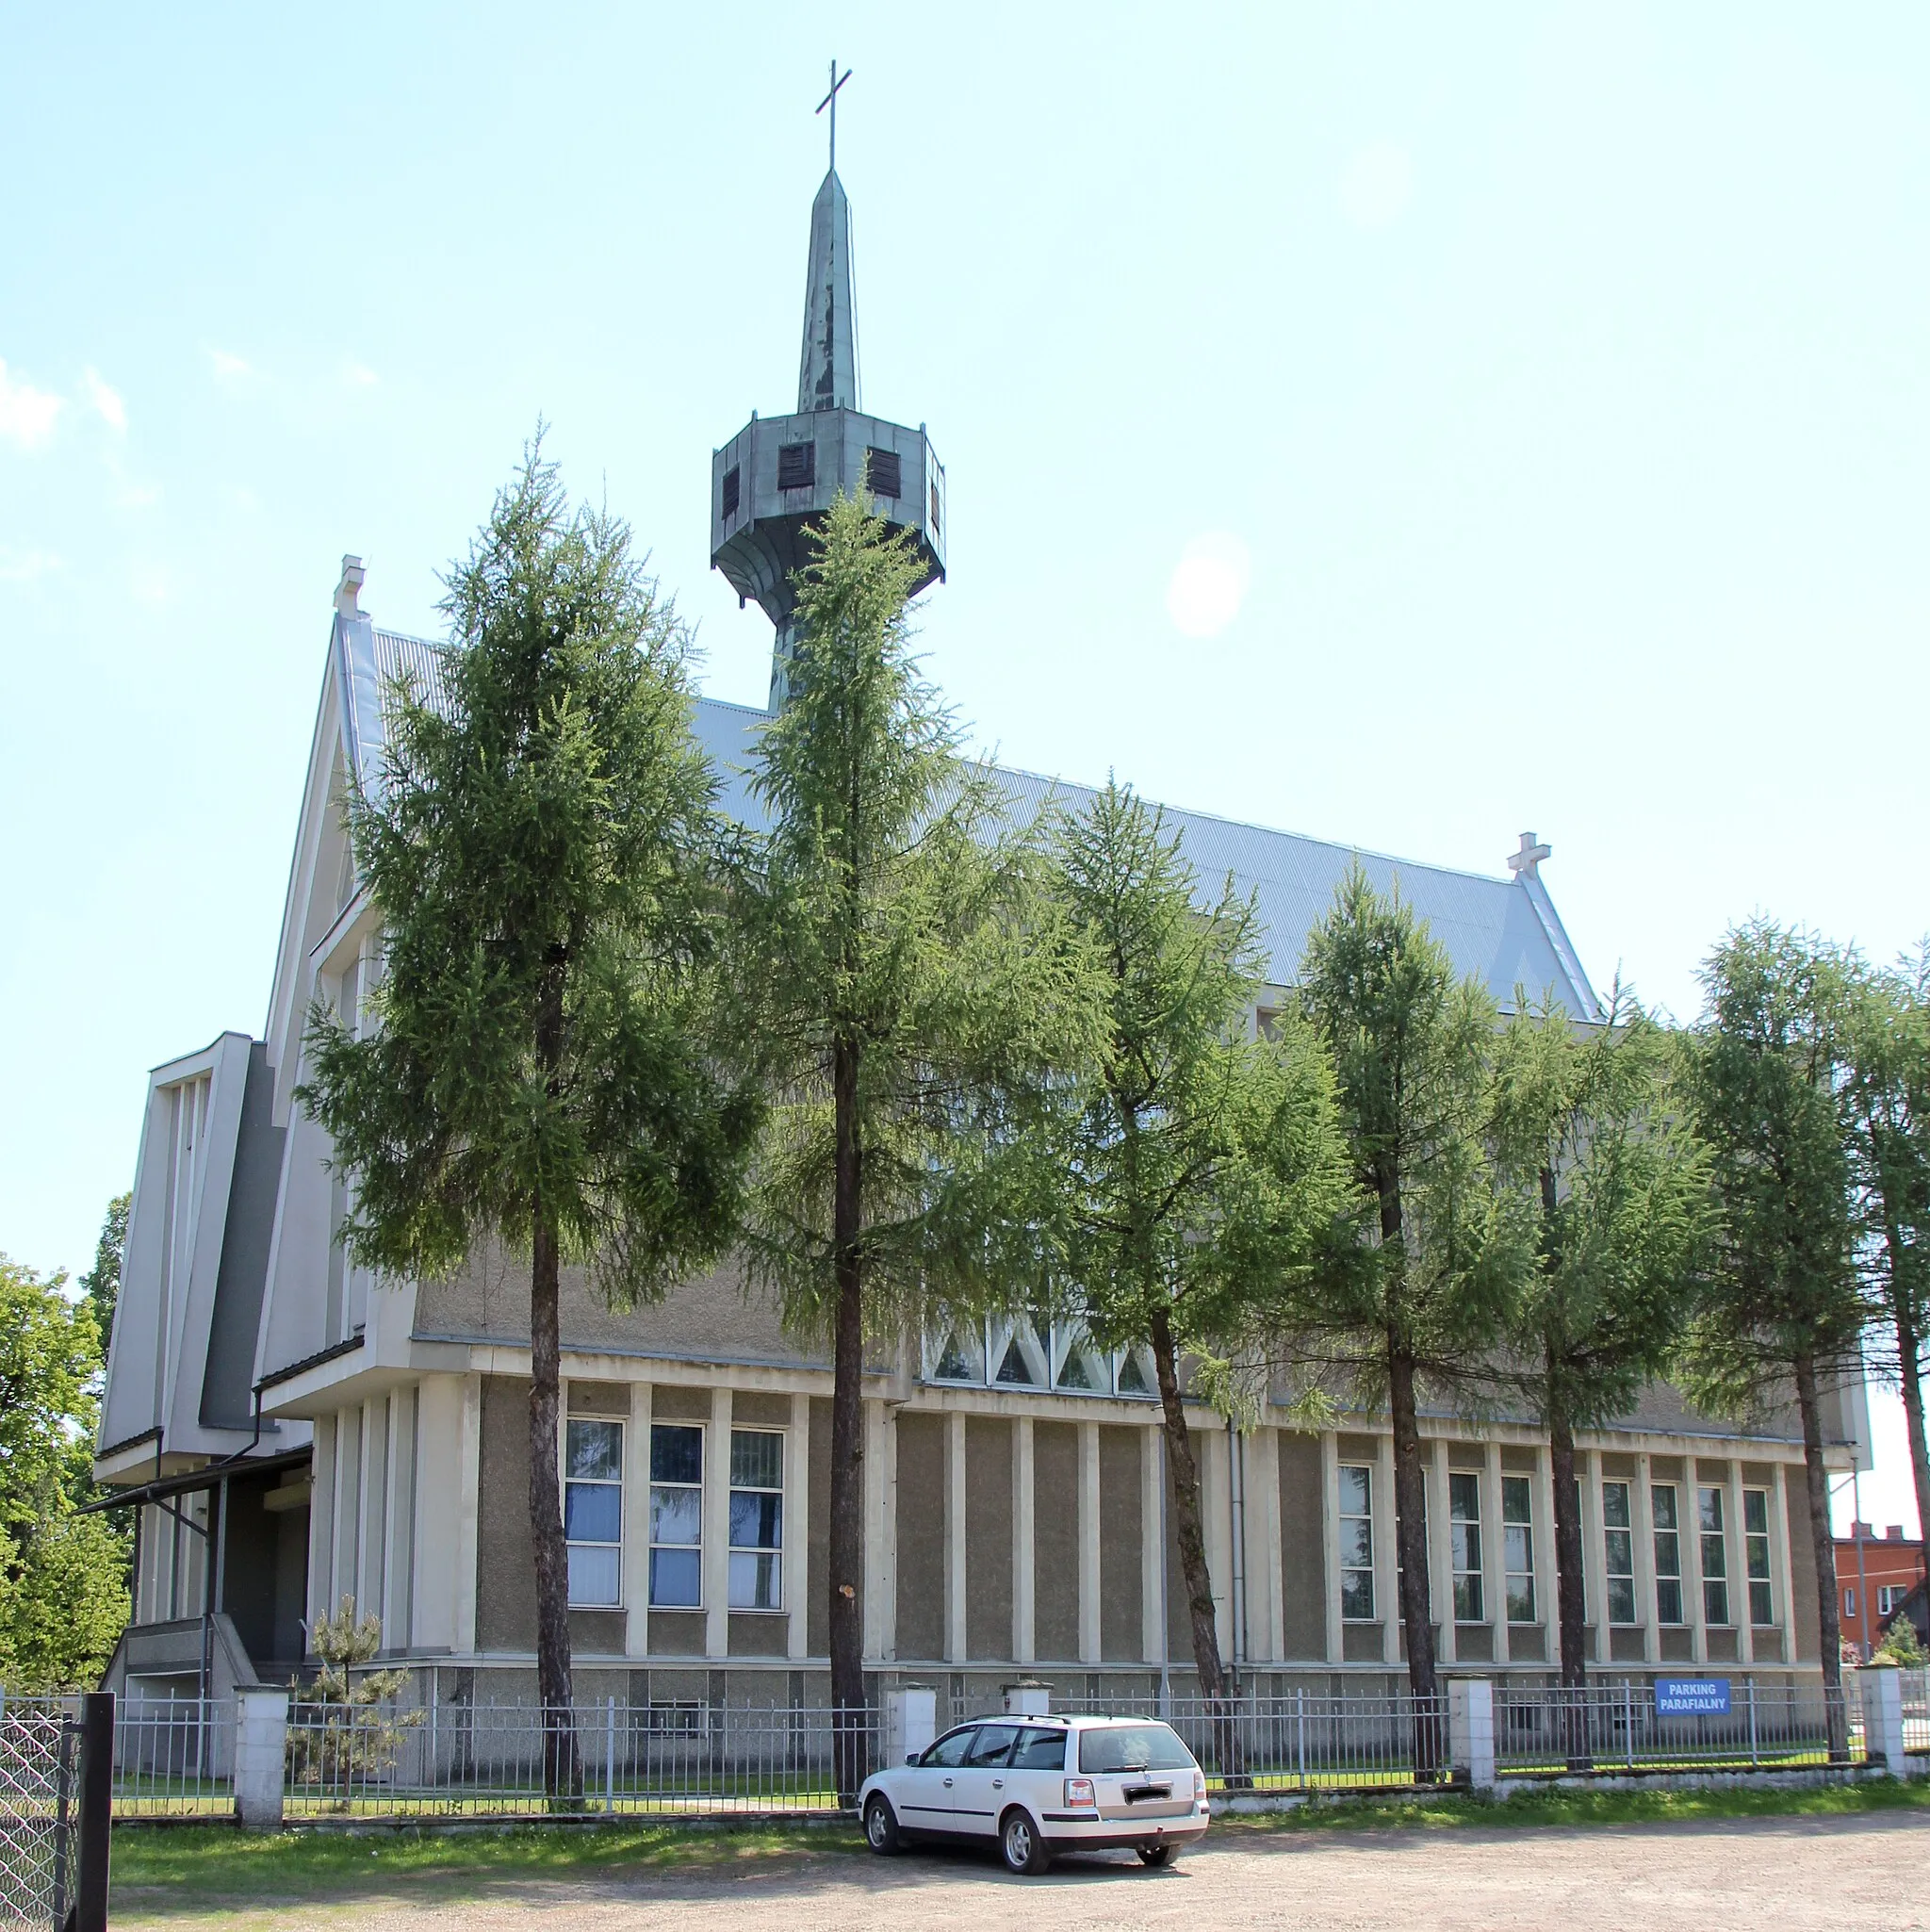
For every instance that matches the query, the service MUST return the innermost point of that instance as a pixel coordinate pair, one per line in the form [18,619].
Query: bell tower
[779,474]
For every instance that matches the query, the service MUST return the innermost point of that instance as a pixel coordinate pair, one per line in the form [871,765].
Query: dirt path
[1747,1876]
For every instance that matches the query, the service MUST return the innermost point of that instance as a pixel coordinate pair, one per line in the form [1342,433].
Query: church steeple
[828,370]
[773,481]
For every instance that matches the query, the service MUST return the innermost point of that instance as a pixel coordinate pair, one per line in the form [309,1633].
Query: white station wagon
[1038,1786]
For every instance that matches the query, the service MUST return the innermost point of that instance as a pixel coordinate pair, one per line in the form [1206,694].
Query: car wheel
[880,1826]
[1156,1855]
[1018,1839]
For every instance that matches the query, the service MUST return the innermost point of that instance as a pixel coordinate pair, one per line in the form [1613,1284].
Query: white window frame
[773,1552]
[1467,1587]
[1624,1550]
[1713,1549]
[702,1431]
[1524,1526]
[1758,1547]
[570,1421]
[1366,1472]
[1668,1572]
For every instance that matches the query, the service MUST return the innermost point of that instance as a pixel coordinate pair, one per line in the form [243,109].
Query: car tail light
[1199,1782]
[1079,1791]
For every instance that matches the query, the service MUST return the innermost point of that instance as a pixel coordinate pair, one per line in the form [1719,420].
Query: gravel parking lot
[1795,1872]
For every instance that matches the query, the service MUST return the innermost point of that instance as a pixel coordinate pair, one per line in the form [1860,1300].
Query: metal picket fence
[1916,1701]
[37,1749]
[1552,1730]
[174,1757]
[662,1759]
[1303,1741]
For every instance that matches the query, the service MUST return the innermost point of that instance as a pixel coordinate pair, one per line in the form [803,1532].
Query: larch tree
[1785,1310]
[1886,1100]
[1423,1295]
[912,1006]
[1590,1121]
[538,1061]
[1204,1167]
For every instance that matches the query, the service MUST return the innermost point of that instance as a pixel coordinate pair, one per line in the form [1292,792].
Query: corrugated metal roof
[1504,931]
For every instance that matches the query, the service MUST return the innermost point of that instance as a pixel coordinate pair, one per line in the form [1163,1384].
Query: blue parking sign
[1692,1696]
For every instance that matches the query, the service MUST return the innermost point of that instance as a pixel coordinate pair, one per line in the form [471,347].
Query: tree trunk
[1189,1528]
[562,1773]
[1410,1523]
[1571,1602]
[847,1580]
[1909,1355]
[1829,1629]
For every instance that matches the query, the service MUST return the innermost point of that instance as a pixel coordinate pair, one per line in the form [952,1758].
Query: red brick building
[1873,1575]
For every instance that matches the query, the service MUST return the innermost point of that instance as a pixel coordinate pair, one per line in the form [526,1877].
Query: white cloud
[230,369]
[1376,185]
[105,400]
[358,375]
[22,566]
[26,414]
[1208,585]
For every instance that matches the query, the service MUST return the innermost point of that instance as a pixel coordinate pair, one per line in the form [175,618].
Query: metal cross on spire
[830,101]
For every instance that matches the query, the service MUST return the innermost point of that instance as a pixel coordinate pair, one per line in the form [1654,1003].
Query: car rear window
[1040,1750]
[1132,1748]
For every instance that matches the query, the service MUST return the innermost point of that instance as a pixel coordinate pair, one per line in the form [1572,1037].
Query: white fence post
[911,1721]
[1881,1689]
[1471,1730]
[261,1742]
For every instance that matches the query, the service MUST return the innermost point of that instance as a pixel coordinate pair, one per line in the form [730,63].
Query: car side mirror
[915,1756]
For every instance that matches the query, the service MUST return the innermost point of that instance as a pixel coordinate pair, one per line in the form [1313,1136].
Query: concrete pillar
[636,1524]
[716,1528]
[954,1537]
[1266,1588]
[1386,1552]
[796,1562]
[1329,1539]
[1471,1730]
[1494,1550]
[321,1534]
[910,1721]
[470,1490]
[1643,1518]
[1089,1543]
[1735,1538]
[1779,1563]
[1595,1550]
[1440,1546]
[261,1730]
[1690,1514]
[877,1585]
[1881,1688]
[1546,1583]
[1024,1489]
[1216,1514]
[1152,1620]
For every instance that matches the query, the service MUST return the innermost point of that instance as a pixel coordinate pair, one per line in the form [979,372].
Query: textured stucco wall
[1056,1540]
[818,1546]
[921,1535]
[1803,1610]
[1303,1553]
[987,1536]
[1122,1626]
[505,1571]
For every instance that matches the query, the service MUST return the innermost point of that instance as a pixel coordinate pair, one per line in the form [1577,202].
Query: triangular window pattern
[1132,1375]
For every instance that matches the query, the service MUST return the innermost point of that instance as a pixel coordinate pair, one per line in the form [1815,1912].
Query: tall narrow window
[1517,1547]
[1668,1554]
[1465,1529]
[593,1510]
[1356,1541]
[757,1518]
[1618,1543]
[1715,1557]
[1756,1555]
[677,1515]
[797,466]
[733,486]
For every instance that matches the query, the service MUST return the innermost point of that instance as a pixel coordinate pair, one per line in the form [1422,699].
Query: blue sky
[1397,424]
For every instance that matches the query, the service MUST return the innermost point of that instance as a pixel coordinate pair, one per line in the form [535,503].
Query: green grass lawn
[243,1879]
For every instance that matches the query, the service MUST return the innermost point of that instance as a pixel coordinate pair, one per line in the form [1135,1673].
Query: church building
[297,1432]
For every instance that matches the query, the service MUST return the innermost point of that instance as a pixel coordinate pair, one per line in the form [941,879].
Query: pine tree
[539,1069]
[1887,1105]
[910,1000]
[1205,1164]
[1785,1309]
[1426,1293]
[1589,1122]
